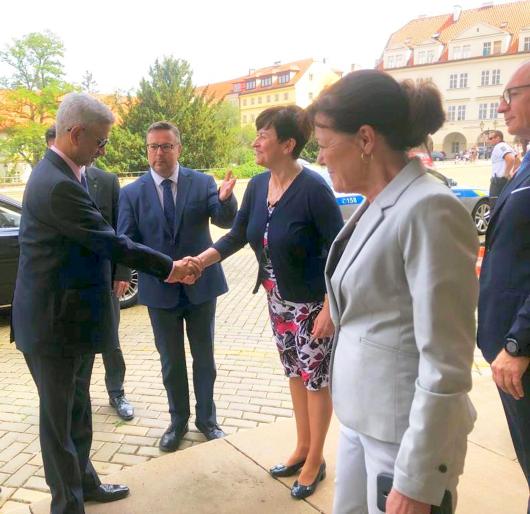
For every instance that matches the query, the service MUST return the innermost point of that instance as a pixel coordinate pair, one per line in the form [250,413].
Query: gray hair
[81,109]
[165,125]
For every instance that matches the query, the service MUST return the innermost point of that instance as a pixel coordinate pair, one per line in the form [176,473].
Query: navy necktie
[84,182]
[169,205]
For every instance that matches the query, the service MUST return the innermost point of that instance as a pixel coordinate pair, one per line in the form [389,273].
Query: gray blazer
[403,293]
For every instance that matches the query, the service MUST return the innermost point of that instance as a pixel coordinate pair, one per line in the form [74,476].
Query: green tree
[88,83]
[310,151]
[207,127]
[32,95]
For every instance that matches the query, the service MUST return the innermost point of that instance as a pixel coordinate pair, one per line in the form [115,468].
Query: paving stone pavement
[250,389]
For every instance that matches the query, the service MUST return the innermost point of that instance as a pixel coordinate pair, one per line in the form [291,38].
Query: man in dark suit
[504,302]
[62,309]
[169,209]
[104,189]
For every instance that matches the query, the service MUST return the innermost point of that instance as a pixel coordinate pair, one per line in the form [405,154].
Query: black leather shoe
[171,439]
[106,493]
[124,409]
[281,470]
[300,491]
[211,432]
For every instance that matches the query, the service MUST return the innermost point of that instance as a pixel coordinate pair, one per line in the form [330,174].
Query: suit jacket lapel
[58,161]
[183,189]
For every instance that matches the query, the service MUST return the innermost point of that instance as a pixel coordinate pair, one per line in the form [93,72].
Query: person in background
[402,292]
[290,217]
[503,163]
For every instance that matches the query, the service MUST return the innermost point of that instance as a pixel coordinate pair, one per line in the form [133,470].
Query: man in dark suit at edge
[62,309]
[169,209]
[104,189]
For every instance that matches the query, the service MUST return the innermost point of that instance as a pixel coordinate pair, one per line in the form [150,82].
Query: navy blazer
[62,303]
[141,217]
[302,227]
[504,301]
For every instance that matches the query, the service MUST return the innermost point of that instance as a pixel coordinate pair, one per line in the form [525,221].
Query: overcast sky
[118,40]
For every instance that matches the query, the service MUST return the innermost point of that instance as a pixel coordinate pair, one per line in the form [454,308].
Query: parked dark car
[438,155]
[10,213]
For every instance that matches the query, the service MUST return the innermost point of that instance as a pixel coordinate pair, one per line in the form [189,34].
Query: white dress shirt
[160,188]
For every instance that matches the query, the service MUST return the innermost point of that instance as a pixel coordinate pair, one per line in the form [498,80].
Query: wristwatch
[512,347]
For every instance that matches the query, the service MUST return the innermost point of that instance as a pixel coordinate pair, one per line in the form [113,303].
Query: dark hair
[50,134]
[165,125]
[496,133]
[405,114]
[289,122]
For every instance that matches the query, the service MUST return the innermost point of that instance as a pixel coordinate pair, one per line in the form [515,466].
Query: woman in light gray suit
[403,291]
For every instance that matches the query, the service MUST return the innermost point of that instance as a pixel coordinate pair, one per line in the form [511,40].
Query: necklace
[276,192]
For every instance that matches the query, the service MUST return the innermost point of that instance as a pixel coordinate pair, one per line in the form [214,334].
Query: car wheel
[131,295]
[481,215]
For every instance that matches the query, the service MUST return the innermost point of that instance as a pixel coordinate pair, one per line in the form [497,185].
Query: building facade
[295,83]
[470,56]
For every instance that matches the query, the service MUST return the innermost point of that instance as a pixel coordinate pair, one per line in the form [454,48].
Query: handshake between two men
[186,270]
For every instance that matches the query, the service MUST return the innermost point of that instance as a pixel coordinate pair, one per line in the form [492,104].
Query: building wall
[251,104]
[462,134]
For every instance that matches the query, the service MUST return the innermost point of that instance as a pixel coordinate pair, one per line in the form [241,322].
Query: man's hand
[398,503]
[508,372]
[183,268]
[227,186]
[120,287]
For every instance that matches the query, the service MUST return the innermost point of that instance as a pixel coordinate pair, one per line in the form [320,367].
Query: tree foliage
[33,93]
[207,127]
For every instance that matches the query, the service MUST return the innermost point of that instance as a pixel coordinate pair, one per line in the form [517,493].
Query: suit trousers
[518,416]
[496,186]
[360,459]
[168,329]
[114,362]
[65,419]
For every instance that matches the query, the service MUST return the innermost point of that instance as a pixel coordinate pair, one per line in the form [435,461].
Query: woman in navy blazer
[290,218]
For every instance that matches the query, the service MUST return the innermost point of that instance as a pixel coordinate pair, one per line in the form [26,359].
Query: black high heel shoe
[281,470]
[300,492]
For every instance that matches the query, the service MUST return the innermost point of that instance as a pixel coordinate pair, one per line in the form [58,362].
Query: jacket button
[442,468]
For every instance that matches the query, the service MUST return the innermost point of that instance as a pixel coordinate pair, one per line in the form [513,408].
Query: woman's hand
[398,503]
[323,326]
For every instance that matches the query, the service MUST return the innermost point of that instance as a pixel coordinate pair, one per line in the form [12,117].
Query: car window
[9,217]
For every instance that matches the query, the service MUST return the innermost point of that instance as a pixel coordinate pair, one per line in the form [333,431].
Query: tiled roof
[510,17]
[220,89]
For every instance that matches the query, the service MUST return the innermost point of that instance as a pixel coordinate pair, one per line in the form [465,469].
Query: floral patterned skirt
[301,354]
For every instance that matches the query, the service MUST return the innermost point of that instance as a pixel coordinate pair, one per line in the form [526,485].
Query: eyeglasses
[102,143]
[507,93]
[165,147]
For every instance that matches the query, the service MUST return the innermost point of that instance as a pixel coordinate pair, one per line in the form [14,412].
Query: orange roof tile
[510,17]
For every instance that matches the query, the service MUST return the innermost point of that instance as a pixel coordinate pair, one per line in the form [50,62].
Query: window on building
[259,99]
[421,57]
[236,87]
[461,112]
[497,45]
[496,77]
[463,80]
[455,147]
[493,109]
[482,111]
[252,118]
[486,48]
[251,84]
[391,61]
[451,113]
[466,51]
[399,61]
[485,78]
[268,98]
[526,44]
[286,96]
[457,52]
[276,97]
[252,101]
[430,56]
[310,96]
[244,101]
[266,81]
[310,76]
[244,118]
[423,80]
[453,81]
[283,78]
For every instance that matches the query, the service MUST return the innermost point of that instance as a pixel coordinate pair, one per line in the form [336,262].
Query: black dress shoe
[211,432]
[106,493]
[281,470]
[124,409]
[171,439]
[300,491]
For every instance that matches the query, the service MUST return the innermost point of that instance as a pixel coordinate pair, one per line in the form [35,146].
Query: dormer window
[486,49]
[266,81]
[497,45]
[526,45]
[251,84]
[283,78]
